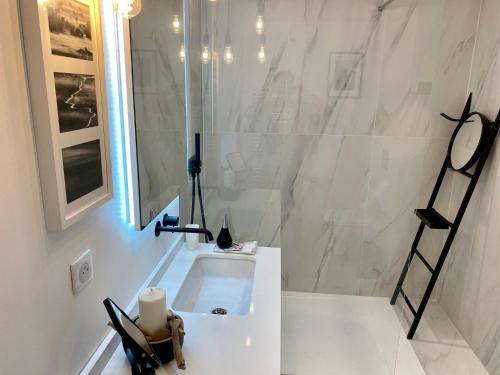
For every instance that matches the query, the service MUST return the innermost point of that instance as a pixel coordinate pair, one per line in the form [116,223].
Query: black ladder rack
[432,219]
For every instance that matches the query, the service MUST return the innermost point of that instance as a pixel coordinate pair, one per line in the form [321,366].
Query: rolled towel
[247,248]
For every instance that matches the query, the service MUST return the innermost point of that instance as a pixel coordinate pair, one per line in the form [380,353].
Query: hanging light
[182,53]
[205,54]
[228,55]
[228,52]
[261,55]
[43,4]
[127,8]
[259,25]
[176,24]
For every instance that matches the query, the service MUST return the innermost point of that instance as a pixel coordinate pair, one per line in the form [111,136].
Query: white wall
[44,329]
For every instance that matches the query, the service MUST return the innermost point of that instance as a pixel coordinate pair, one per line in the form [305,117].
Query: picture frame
[345,70]
[64,59]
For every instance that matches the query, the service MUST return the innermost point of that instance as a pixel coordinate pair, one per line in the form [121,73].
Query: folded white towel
[247,248]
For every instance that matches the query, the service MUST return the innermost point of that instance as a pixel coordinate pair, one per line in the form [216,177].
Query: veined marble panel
[428,46]
[389,220]
[323,190]
[334,57]
[253,214]
[239,161]
[343,118]
[471,287]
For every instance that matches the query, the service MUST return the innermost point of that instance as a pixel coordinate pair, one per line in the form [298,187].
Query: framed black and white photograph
[82,169]
[76,101]
[344,74]
[67,88]
[70,29]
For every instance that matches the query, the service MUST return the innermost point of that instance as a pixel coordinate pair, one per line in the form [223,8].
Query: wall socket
[82,271]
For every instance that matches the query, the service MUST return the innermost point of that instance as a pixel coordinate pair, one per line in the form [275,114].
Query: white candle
[152,307]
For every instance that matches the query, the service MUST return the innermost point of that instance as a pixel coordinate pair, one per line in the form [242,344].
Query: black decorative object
[224,239]
[142,361]
[484,140]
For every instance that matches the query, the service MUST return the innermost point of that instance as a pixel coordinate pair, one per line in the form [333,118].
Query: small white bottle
[192,239]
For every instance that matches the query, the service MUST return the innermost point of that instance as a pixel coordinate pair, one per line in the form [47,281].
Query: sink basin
[217,284]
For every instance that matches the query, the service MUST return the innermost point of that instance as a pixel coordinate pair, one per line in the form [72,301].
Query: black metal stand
[434,220]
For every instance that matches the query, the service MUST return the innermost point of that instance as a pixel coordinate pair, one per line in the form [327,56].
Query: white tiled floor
[343,335]
[439,346]
[353,335]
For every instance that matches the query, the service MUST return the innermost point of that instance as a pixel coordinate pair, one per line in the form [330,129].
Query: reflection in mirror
[466,143]
[156,37]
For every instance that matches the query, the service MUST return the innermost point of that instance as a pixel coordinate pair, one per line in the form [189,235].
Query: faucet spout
[159,228]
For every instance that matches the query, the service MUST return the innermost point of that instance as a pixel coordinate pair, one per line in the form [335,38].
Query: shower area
[321,135]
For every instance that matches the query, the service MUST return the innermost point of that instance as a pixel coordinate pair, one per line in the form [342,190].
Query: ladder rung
[467,174]
[407,300]
[432,218]
[424,261]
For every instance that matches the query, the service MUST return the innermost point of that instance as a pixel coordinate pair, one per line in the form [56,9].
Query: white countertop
[231,344]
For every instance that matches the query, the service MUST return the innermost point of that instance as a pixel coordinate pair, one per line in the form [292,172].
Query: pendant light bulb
[182,53]
[259,25]
[176,24]
[228,55]
[261,55]
[127,8]
[43,4]
[205,54]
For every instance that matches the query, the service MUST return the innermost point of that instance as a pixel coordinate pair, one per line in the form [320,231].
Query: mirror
[158,75]
[466,143]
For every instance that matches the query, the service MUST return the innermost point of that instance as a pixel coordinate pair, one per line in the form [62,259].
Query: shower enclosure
[321,135]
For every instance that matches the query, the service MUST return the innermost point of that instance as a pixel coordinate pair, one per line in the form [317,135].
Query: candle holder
[164,348]
[143,354]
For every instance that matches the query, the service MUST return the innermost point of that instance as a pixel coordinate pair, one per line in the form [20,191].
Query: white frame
[42,65]
[126,81]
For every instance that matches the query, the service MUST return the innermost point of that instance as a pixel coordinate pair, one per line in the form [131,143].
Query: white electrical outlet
[82,271]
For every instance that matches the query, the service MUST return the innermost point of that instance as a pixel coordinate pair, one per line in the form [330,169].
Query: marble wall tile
[318,212]
[389,220]
[470,291]
[238,161]
[343,120]
[425,50]
[253,214]
[333,58]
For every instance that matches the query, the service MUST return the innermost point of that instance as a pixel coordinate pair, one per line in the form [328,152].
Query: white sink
[217,282]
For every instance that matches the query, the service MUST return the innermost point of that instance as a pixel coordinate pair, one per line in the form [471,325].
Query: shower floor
[353,335]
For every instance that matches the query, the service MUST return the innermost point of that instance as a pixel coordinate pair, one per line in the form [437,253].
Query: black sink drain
[219,311]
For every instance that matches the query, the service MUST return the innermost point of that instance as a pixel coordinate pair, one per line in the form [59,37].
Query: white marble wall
[342,121]
[471,289]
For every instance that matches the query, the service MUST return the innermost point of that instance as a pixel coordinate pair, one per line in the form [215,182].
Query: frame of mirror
[468,141]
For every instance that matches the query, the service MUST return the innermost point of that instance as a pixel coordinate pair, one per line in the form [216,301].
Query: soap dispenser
[224,240]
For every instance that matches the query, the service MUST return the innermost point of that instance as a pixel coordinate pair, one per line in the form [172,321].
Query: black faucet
[170,225]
